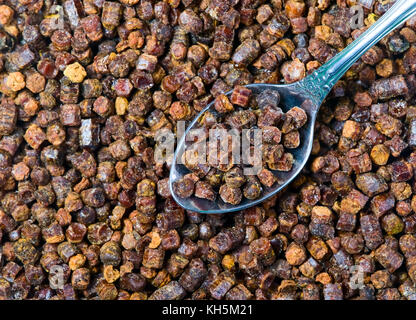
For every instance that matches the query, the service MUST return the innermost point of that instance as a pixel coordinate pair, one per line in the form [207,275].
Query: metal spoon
[308,93]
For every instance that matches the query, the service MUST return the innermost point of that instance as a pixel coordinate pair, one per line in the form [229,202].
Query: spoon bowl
[290,96]
[307,94]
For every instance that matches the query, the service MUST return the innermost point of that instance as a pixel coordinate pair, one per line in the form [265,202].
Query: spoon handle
[320,82]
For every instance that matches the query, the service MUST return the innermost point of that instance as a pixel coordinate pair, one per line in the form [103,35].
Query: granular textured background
[85,213]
